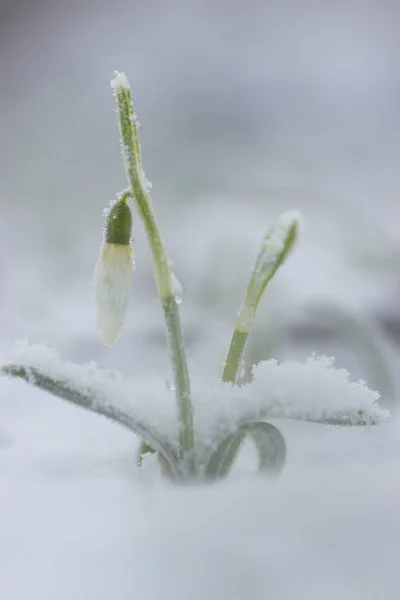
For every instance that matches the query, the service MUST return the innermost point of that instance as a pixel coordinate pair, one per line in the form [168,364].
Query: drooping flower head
[113,273]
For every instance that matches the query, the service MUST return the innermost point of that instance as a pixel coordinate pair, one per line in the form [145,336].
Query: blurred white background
[247,108]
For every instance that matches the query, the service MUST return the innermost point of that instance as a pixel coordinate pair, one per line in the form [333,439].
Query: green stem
[234,357]
[125,195]
[181,374]
[133,165]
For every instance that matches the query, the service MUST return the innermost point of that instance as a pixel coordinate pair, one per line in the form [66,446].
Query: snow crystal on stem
[177,288]
[120,81]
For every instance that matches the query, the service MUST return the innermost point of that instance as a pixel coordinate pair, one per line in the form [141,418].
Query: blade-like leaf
[352,420]
[268,440]
[67,391]
[224,456]
[314,391]
[271,447]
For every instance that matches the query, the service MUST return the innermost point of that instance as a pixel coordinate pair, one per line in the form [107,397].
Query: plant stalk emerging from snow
[226,413]
[130,145]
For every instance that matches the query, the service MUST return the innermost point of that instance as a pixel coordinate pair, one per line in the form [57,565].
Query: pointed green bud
[277,245]
[119,224]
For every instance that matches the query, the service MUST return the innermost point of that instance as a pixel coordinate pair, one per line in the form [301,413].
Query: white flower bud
[113,274]
[112,287]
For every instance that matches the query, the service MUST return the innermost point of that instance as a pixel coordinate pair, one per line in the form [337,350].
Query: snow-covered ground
[78,520]
[233,132]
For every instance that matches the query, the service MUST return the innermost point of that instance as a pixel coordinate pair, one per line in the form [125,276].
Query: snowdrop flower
[113,273]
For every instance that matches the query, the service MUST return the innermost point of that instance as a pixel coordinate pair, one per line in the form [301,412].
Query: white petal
[112,287]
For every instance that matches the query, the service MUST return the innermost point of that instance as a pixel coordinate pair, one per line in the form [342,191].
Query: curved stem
[133,165]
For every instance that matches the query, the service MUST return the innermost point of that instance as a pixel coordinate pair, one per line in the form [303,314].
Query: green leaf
[359,420]
[271,447]
[269,443]
[224,456]
[67,391]
[355,418]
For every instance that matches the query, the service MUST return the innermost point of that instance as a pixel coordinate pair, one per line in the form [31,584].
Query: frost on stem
[177,288]
[120,81]
[128,126]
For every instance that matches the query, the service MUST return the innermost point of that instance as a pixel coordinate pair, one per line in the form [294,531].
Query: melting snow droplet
[148,183]
[242,371]
[177,288]
[170,383]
